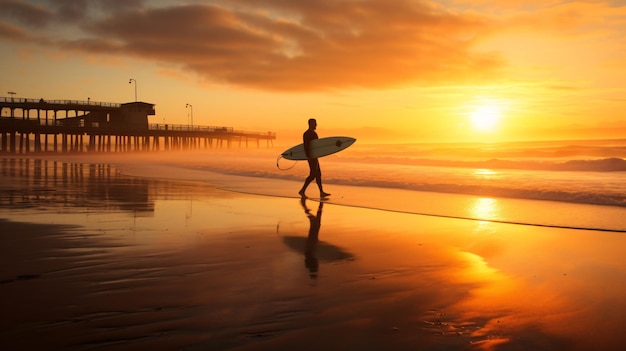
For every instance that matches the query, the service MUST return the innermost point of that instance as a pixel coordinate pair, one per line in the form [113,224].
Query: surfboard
[319,147]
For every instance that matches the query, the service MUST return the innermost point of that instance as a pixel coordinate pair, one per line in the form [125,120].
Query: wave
[612,164]
[581,149]
[507,188]
[579,196]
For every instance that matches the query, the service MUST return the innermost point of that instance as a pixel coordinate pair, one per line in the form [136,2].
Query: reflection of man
[310,260]
[315,173]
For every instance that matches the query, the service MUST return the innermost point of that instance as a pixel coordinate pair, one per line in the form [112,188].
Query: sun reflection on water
[485,208]
[485,173]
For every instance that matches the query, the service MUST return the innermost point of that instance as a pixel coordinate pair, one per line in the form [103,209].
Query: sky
[378,70]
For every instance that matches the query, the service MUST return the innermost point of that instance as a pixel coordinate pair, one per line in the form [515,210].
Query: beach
[99,253]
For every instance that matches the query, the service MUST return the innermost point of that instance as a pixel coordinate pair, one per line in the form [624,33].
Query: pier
[38,125]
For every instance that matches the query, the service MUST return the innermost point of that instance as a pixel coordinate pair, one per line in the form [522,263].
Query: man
[314,165]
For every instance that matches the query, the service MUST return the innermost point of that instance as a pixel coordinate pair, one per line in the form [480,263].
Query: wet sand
[93,259]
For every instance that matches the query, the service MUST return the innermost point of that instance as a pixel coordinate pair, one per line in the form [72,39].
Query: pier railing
[156,127]
[15,100]
[208,129]
[189,128]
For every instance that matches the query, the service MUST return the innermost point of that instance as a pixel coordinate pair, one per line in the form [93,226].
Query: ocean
[578,183]
[569,184]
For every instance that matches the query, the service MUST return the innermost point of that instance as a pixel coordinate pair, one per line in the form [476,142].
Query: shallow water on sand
[92,258]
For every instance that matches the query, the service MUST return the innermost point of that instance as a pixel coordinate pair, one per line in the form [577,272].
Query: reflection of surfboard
[323,251]
[319,147]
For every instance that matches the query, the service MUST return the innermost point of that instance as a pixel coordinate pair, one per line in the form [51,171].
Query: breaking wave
[612,164]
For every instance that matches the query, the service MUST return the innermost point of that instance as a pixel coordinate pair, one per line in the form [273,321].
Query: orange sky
[379,70]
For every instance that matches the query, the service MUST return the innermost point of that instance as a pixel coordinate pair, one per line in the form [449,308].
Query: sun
[486,117]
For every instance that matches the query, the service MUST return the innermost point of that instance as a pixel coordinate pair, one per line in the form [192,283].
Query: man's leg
[313,167]
[318,177]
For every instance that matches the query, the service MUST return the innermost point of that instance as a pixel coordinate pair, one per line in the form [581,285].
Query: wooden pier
[37,125]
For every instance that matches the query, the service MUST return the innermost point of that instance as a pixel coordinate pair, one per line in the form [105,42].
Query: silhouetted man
[314,165]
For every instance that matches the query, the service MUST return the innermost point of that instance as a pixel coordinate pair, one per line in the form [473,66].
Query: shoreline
[602,189]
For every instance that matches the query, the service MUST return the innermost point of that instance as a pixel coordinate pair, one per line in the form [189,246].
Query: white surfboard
[319,147]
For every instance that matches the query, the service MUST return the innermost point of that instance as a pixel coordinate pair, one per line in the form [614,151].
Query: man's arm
[307,144]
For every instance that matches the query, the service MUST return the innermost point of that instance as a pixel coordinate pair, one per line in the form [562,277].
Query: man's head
[312,123]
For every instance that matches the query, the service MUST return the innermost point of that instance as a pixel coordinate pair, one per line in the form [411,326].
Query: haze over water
[580,183]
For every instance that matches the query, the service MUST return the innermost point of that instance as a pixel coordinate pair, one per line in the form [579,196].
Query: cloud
[10,31]
[286,45]
[79,10]
[20,12]
[570,19]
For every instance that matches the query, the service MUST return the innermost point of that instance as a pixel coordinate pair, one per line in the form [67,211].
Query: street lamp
[12,93]
[129,82]
[189,105]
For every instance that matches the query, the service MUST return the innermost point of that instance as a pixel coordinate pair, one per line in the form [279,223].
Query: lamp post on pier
[12,93]
[130,81]
[191,107]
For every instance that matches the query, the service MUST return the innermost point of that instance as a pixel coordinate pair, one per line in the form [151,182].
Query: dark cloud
[24,13]
[79,10]
[11,32]
[294,45]
[70,10]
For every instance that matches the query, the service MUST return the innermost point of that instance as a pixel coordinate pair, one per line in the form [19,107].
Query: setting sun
[485,117]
